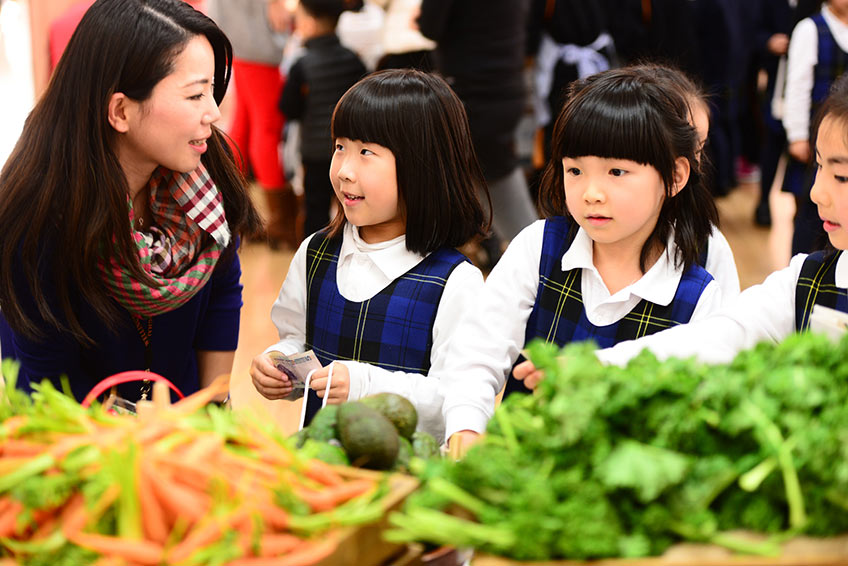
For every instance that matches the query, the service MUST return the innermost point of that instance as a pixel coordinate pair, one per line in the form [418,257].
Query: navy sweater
[209,321]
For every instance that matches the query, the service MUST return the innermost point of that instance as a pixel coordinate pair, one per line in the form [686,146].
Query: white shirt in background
[363,271]
[801,61]
[492,333]
[399,35]
[362,32]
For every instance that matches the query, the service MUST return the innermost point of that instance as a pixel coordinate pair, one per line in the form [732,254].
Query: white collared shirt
[762,312]
[363,271]
[801,61]
[492,332]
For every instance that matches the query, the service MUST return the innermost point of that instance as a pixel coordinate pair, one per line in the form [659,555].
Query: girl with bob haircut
[627,218]
[717,257]
[784,302]
[122,207]
[381,290]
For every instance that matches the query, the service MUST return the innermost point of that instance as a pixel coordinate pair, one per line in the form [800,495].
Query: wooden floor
[758,251]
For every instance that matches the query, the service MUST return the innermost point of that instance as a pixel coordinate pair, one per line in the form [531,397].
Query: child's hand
[528,373]
[460,442]
[339,388]
[800,150]
[267,379]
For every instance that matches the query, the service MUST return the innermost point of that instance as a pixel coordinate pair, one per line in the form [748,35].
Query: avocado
[323,425]
[397,409]
[300,437]
[424,446]
[369,438]
[404,455]
[326,452]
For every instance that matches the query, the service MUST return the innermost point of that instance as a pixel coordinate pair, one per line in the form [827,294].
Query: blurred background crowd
[763,64]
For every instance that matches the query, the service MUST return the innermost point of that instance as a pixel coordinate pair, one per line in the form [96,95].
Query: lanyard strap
[146,335]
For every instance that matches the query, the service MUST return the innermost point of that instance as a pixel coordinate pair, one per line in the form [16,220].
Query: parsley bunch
[623,462]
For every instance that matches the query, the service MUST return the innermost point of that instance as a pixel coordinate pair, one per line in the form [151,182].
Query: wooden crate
[363,545]
[801,551]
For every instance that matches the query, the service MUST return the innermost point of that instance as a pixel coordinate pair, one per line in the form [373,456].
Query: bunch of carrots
[188,485]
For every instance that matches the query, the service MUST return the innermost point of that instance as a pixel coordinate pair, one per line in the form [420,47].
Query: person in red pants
[257,123]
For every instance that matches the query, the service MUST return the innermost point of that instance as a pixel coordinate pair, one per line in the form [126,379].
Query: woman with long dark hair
[122,207]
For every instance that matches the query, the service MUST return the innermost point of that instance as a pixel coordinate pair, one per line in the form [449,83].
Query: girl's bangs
[616,129]
[365,115]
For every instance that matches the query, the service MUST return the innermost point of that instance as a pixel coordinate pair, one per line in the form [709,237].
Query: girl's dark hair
[835,106]
[419,118]
[631,114]
[63,193]
[329,10]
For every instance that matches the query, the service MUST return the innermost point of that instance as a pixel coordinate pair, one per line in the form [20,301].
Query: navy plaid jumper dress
[559,316]
[392,330]
[817,286]
[832,61]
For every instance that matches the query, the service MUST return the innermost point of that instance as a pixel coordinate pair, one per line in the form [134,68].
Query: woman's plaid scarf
[185,207]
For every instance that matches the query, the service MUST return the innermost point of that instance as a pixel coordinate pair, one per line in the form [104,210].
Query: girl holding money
[379,293]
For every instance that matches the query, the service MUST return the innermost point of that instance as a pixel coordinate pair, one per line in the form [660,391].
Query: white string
[306,389]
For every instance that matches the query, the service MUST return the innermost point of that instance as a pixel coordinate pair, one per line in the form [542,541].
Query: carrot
[201,398]
[153,520]
[213,530]
[45,528]
[9,518]
[306,554]
[73,517]
[5,503]
[185,471]
[331,497]
[273,516]
[178,500]
[272,451]
[206,448]
[11,425]
[19,448]
[322,472]
[274,544]
[76,516]
[154,430]
[198,538]
[140,551]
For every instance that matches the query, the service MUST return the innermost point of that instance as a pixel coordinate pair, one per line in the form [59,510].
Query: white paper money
[297,367]
[831,322]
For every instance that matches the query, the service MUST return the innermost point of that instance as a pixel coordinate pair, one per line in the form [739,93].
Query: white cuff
[465,417]
[358,386]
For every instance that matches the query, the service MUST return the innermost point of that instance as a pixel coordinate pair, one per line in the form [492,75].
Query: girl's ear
[119,112]
[681,174]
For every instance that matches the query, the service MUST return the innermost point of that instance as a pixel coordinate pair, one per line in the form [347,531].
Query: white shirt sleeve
[801,61]
[759,313]
[722,266]
[491,335]
[289,310]
[464,283]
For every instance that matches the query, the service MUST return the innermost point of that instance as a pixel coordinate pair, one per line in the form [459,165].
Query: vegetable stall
[655,463]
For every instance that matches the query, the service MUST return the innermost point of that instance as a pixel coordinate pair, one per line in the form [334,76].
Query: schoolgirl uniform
[545,286]
[779,306]
[818,55]
[387,313]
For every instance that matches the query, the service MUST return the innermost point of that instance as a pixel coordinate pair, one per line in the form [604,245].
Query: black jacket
[314,85]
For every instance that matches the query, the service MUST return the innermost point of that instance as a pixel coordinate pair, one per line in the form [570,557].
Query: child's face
[364,178]
[839,8]
[171,127]
[617,201]
[830,191]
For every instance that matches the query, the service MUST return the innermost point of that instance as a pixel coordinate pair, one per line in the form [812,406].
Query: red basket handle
[127,377]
